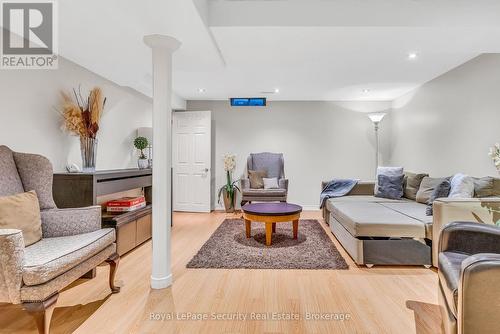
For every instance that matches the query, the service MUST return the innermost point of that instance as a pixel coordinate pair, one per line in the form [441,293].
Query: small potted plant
[228,191]
[141,143]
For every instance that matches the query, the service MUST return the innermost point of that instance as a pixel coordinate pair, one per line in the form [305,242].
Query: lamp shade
[376,117]
[147,133]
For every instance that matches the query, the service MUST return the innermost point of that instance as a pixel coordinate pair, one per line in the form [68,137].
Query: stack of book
[126,204]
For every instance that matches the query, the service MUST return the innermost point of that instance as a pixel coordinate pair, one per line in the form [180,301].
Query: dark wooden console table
[73,190]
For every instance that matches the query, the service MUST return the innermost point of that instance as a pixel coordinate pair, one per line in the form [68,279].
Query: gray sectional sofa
[380,231]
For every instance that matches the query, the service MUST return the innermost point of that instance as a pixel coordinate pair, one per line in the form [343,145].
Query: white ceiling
[309,49]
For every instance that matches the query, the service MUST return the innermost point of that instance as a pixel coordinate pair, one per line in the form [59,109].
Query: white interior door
[191,161]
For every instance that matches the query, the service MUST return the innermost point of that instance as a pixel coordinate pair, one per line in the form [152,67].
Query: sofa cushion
[427,187]
[442,190]
[264,192]
[36,174]
[449,276]
[483,187]
[360,199]
[22,212]
[10,182]
[51,257]
[496,187]
[462,186]
[365,219]
[414,210]
[412,184]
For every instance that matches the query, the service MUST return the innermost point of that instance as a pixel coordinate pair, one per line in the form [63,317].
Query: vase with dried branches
[81,117]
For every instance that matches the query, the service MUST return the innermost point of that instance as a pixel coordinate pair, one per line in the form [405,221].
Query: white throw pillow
[389,171]
[462,186]
[270,183]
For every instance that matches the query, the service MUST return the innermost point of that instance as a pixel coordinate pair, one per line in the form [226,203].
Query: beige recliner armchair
[274,165]
[469,278]
[73,242]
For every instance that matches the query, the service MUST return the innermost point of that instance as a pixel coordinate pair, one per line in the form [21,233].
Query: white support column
[162,49]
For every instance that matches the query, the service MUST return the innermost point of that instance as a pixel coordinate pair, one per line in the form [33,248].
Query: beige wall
[29,122]
[320,140]
[448,124]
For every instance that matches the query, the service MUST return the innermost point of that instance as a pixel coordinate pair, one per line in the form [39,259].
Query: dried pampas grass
[81,117]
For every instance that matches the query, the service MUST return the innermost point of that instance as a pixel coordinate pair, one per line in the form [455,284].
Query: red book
[125,208]
[126,201]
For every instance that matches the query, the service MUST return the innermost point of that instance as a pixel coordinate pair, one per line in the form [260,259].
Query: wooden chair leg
[113,261]
[42,312]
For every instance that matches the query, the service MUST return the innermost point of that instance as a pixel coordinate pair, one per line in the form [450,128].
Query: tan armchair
[274,165]
[73,242]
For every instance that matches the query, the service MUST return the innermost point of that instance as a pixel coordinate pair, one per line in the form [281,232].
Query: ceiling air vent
[248,101]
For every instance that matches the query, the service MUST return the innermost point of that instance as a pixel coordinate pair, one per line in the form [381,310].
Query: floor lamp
[376,118]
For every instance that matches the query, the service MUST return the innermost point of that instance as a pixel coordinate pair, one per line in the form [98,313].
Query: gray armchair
[72,243]
[469,278]
[274,165]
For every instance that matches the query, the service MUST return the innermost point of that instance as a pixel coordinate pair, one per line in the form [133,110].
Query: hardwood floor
[376,300]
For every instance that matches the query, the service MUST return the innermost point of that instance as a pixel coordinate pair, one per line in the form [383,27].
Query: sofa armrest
[11,265]
[478,294]
[469,238]
[283,183]
[66,222]
[366,188]
[447,210]
[244,183]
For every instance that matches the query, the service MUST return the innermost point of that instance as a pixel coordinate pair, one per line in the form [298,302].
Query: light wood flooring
[376,300]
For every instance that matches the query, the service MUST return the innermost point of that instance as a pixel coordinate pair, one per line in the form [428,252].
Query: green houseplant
[229,190]
[141,143]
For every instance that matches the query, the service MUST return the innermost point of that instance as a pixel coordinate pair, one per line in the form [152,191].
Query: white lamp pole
[162,49]
[376,118]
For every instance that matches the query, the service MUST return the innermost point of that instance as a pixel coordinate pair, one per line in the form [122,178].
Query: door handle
[206,170]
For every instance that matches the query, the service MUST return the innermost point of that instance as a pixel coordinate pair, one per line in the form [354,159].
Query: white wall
[319,140]
[30,123]
[448,124]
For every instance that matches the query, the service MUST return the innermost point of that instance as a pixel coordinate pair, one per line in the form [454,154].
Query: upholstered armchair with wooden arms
[469,278]
[274,165]
[73,242]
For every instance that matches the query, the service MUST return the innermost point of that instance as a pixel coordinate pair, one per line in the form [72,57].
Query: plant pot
[142,163]
[88,149]
[227,201]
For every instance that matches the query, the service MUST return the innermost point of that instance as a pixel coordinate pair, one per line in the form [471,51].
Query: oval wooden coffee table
[270,214]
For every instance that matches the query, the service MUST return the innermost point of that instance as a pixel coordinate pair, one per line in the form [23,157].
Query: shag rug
[229,248]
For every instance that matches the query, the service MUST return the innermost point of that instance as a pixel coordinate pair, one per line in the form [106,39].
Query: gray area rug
[229,248]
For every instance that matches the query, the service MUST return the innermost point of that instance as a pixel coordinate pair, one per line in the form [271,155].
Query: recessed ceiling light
[412,55]
[366,91]
[276,90]
[201,90]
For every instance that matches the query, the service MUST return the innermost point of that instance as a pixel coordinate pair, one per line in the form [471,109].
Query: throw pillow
[388,171]
[412,184]
[270,183]
[427,186]
[22,212]
[483,187]
[256,178]
[390,186]
[441,190]
[496,187]
[462,186]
